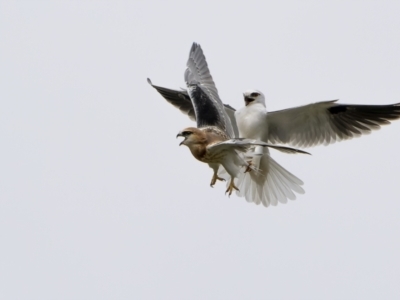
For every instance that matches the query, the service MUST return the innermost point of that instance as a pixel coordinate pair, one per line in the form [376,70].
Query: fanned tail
[269,183]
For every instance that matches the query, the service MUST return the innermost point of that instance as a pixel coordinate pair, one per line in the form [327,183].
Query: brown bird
[212,145]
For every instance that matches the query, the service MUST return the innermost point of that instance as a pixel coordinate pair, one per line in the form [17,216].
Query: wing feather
[327,122]
[208,106]
[179,99]
[243,145]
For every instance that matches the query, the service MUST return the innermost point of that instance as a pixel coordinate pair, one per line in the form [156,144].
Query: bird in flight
[214,141]
[310,125]
[305,126]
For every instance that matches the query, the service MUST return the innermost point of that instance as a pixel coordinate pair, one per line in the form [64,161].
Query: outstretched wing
[202,91]
[243,145]
[327,122]
[181,100]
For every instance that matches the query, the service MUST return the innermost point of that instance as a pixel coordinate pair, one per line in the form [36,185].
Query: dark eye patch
[186,133]
[254,94]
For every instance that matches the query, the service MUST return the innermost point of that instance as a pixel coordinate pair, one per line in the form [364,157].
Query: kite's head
[253,96]
[191,136]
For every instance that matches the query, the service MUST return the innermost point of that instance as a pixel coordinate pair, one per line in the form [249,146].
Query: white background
[97,201]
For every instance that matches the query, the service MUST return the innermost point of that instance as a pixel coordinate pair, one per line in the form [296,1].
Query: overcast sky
[97,201]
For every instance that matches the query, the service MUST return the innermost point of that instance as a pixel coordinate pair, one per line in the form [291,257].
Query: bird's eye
[186,133]
[254,94]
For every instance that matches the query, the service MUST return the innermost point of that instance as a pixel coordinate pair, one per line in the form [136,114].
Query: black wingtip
[149,81]
[337,109]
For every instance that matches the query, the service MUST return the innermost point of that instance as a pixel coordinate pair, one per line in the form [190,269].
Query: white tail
[269,183]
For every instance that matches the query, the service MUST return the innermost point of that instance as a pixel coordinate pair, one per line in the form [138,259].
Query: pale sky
[97,201]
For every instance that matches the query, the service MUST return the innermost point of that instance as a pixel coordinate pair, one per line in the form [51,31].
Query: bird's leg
[248,168]
[231,187]
[215,178]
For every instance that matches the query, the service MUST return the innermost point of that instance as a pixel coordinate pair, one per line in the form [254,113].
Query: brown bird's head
[192,136]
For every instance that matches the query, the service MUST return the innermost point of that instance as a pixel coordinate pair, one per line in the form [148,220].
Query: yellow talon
[214,179]
[231,187]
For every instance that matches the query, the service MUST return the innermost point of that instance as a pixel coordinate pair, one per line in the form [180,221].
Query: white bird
[213,140]
[310,125]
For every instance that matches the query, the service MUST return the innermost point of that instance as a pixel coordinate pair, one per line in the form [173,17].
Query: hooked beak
[247,100]
[178,135]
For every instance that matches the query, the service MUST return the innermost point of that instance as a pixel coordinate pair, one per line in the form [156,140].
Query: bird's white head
[253,96]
